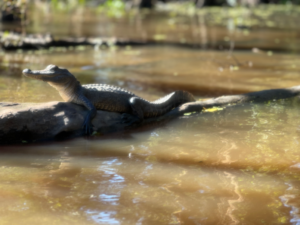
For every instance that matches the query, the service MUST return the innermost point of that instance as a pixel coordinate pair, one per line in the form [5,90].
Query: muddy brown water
[239,165]
[236,166]
[269,28]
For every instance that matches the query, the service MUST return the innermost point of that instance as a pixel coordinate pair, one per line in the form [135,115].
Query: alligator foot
[88,129]
[87,126]
[129,119]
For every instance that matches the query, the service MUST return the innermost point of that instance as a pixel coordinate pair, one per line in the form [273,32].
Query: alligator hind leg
[137,112]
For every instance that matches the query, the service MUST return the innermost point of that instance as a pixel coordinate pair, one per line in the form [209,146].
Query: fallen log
[14,41]
[27,122]
[10,41]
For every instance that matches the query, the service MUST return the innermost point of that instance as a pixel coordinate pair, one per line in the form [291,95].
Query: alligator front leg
[87,125]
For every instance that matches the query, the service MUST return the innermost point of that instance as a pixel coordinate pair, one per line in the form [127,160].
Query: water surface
[239,165]
[233,166]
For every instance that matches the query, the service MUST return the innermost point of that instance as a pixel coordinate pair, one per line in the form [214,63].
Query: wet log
[10,41]
[230,100]
[26,122]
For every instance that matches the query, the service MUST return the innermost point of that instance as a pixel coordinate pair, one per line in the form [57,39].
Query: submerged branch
[230,100]
[253,97]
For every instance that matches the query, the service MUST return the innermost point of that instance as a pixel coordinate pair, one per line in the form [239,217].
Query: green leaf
[213,109]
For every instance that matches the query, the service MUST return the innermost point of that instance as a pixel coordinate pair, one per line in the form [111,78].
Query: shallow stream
[239,165]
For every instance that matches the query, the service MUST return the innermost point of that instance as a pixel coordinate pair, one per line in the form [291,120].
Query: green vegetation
[113,8]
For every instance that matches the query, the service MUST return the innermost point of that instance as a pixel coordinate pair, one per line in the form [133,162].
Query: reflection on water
[103,217]
[228,167]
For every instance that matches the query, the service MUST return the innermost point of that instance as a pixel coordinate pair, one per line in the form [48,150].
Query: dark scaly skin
[106,97]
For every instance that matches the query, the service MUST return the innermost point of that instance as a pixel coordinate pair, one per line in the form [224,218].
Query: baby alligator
[106,97]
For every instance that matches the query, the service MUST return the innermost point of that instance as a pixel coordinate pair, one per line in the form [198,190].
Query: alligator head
[51,73]
[59,78]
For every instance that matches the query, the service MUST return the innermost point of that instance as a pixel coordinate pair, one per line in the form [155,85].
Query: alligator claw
[87,127]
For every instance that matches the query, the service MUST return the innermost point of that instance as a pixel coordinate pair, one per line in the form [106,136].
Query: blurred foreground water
[239,165]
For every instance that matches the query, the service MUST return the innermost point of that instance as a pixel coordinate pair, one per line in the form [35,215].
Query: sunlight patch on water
[112,199]
[105,217]
[110,172]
